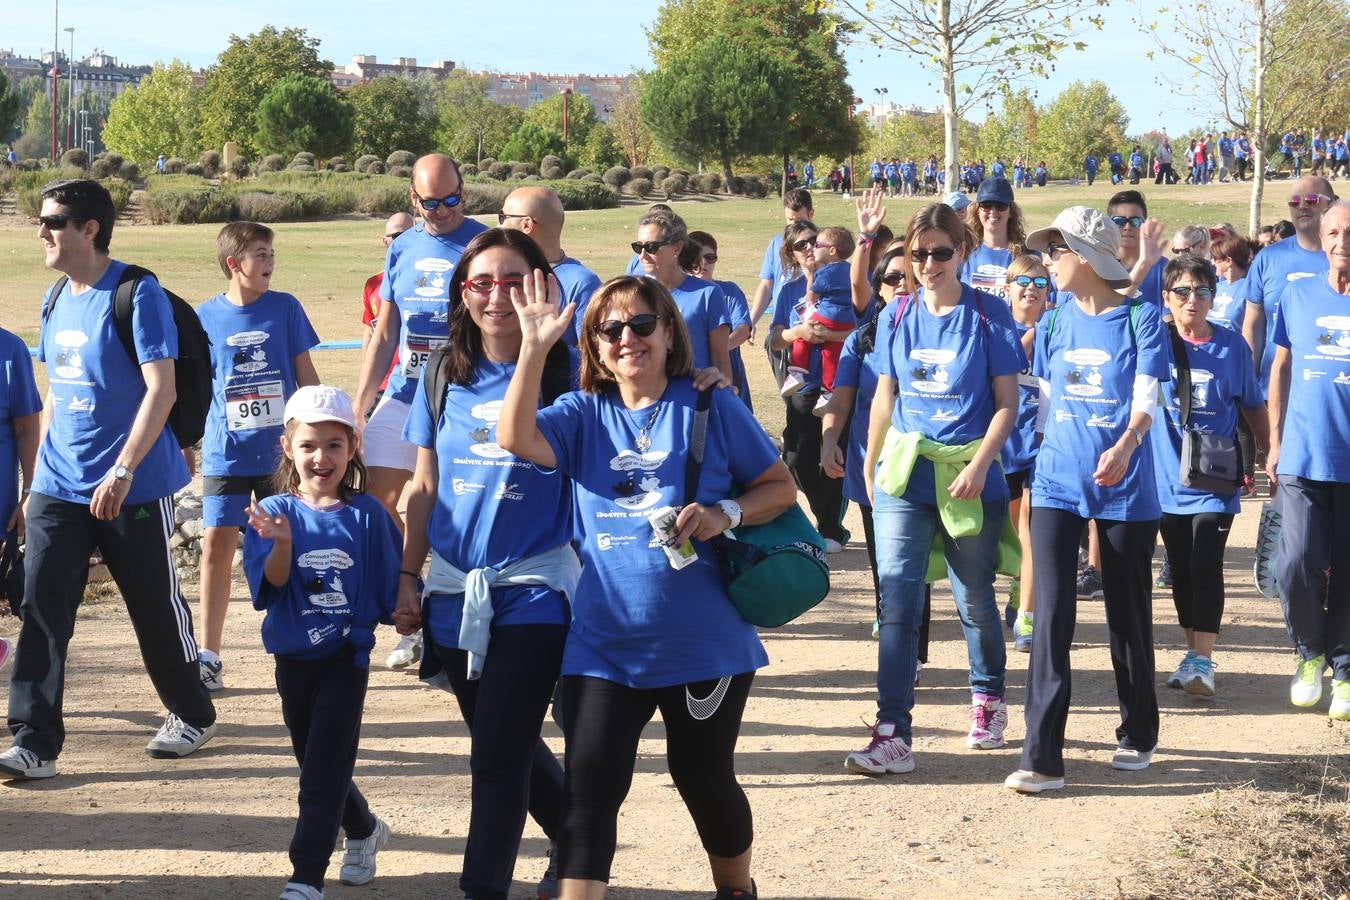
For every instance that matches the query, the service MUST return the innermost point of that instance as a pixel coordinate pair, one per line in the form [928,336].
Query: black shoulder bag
[1209,462]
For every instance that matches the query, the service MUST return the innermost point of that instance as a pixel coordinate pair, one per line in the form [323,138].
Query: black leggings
[801,452]
[870,533]
[603,724]
[1195,546]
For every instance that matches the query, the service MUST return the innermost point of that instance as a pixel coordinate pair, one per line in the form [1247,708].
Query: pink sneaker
[988,718]
[6,651]
[885,753]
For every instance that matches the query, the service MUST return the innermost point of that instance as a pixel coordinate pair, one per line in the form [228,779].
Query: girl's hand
[1113,462]
[871,211]
[831,457]
[408,611]
[700,523]
[269,527]
[969,484]
[536,303]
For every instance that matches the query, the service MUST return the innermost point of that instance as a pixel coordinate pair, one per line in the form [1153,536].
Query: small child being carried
[829,304]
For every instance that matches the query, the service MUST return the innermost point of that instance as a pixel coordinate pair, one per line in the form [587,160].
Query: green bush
[468,169]
[499,170]
[383,197]
[273,162]
[129,171]
[593,179]
[660,173]
[187,205]
[75,157]
[736,185]
[639,187]
[120,191]
[401,171]
[586,193]
[304,156]
[674,185]
[578,173]
[332,164]
[300,167]
[365,159]
[641,172]
[482,198]
[194,169]
[114,159]
[707,183]
[29,165]
[400,158]
[617,177]
[239,167]
[174,166]
[375,168]
[552,167]
[520,169]
[100,169]
[210,163]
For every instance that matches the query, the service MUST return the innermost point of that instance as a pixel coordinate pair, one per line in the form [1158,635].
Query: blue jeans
[904,534]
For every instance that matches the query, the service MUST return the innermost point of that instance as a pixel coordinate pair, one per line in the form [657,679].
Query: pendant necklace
[643,441]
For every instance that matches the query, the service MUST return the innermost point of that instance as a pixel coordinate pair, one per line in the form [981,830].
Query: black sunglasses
[1039,281]
[1201,293]
[993,204]
[804,244]
[1053,248]
[893,279]
[643,324]
[1132,221]
[941,254]
[649,247]
[710,257]
[58,221]
[449,201]
[504,215]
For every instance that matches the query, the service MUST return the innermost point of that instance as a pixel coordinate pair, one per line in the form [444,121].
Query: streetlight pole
[567,109]
[55,72]
[70,91]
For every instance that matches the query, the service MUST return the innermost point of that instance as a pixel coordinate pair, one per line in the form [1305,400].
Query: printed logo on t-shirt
[1101,420]
[1200,381]
[638,486]
[1299,276]
[325,590]
[1335,339]
[462,487]
[431,282]
[484,442]
[931,375]
[1064,416]
[1085,379]
[509,492]
[69,363]
[944,415]
[1312,374]
[248,360]
[81,404]
[1343,379]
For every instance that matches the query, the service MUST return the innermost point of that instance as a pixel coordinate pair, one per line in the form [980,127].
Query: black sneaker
[1164,579]
[1090,585]
[728,893]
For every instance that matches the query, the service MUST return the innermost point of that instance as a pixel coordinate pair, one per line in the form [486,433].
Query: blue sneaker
[1200,680]
[1022,629]
[1180,676]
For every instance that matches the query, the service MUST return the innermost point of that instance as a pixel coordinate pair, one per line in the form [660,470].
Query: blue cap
[956,200]
[996,189]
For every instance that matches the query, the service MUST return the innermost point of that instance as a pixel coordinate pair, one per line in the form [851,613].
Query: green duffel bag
[775,571]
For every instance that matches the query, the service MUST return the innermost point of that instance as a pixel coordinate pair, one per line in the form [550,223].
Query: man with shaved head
[1282,263]
[538,212]
[415,319]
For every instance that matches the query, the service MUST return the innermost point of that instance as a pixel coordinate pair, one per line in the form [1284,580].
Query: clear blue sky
[581,36]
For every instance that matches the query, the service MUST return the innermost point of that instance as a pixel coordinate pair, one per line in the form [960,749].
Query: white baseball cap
[321,403]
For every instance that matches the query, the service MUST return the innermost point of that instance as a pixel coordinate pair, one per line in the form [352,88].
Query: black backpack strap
[124,306]
[1183,374]
[438,385]
[55,292]
[698,438]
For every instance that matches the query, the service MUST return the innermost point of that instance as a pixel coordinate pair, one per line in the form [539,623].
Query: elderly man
[1310,459]
[1282,263]
[415,320]
[538,212]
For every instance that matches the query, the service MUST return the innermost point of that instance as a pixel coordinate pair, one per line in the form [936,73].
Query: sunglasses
[1053,249]
[941,254]
[993,204]
[484,284]
[804,244]
[893,279]
[709,257]
[649,247]
[1178,251]
[58,221]
[504,215]
[449,201]
[1201,293]
[1307,200]
[1132,221]
[1039,281]
[643,324]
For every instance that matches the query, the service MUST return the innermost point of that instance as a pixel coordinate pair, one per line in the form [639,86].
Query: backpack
[192,368]
[556,380]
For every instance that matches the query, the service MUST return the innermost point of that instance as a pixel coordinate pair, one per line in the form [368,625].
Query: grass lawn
[326,263]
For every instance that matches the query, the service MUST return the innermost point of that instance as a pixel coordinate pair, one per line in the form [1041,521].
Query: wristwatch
[122,473]
[732,510]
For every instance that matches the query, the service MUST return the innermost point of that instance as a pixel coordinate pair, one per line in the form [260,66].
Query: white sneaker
[822,403]
[407,651]
[792,382]
[1305,688]
[1025,781]
[1130,760]
[1183,672]
[211,673]
[833,546]
[176,738]
[358,857]
[16,762]
[884,753]
[988,719]
[294,890]
[6,652]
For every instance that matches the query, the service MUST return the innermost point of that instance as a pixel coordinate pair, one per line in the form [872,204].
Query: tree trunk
[950,116]
[726,172]
[1259,138]
[782,178]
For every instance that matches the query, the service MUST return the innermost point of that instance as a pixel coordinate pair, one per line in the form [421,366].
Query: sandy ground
[118,824]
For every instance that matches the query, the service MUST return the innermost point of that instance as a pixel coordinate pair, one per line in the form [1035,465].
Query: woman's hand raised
[871,211]
[536,303]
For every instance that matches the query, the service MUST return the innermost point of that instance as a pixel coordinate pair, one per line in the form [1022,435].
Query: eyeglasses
[804,244]
[649,247]
[1053,249]
[1201,293]
[1039,281]
[893,279]
[643,325]
[1307,200]
[449,201]
[709,257]
[993,205]
[1132,221]
[484,284]
[58,221]
[504,215]
[1189,248]
[941,254]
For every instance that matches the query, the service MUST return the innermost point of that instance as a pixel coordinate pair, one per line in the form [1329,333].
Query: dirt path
[118,824]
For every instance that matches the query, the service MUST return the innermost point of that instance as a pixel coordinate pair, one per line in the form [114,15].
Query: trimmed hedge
[639,187]
[28,187]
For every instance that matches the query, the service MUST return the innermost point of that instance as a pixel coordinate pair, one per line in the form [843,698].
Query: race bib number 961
[253,406]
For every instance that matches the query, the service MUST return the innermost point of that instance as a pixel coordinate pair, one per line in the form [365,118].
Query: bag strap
[1183,374]
[438,385]
[123,306]
[698,439]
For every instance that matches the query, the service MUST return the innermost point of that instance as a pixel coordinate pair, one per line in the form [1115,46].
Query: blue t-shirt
[1314,323]
[492,508]
[704,308]
[1000,170]
[1225,146]
[1242,148]
[635,266]
[1137,160]
[875,170]
[738,313]
[253,351]
[1091,363]
[1019,452]
[18,398]
[1275,268]
[1229,303]
[344,577]
[1090,163]
[1152,287]
[787,314]
[417,281]
[771,268]
[1114,159]
[986,269]
[1222,379]
[860,371]
[635,620]
[576,283]
[944,368]
[96,390]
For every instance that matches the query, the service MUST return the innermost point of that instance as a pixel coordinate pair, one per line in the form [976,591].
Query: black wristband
[409,574]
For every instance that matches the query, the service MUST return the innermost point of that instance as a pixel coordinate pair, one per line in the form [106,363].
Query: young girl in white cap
[322,560]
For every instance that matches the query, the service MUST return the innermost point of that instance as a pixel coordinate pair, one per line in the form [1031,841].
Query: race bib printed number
[417,350]
[251,406]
